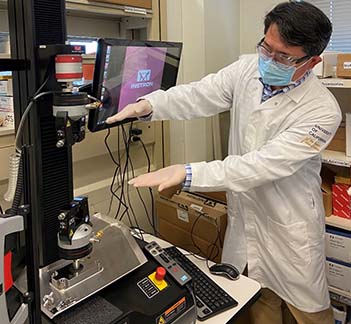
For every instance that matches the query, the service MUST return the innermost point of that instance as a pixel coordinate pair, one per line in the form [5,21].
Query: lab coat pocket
[289,243]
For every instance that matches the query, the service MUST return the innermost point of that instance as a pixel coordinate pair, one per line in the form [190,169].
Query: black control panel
[166,261]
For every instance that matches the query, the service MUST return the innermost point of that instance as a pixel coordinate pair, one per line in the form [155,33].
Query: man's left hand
[163,178]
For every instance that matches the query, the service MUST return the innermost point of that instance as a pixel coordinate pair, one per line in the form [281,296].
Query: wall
[82,26]
[4,24]
[210,33]
[252,14]
[214,34]
[250,28]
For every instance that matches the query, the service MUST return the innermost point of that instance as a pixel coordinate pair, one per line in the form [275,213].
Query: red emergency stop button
[160,273]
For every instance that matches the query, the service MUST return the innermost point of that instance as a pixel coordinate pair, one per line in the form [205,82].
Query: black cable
[108,147]
[19,183]
[113,192]
[140,197]
[123,176]
[143,203]
[126,141]
[192,288]
[150,189]
[1,210]
[19,189]
[129,200]
[115,162]
[25,114]
[213,245]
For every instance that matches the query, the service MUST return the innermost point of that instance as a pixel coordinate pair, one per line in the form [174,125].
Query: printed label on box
[347,65]
[196,207]
[183,215]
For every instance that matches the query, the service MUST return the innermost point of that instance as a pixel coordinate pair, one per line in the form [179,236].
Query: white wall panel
[252,14]
[210,32]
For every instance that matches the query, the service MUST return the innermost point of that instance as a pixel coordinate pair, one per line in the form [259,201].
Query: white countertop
[242,290]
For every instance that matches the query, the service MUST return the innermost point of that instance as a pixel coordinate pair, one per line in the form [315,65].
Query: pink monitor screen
[142,73]
[128,70]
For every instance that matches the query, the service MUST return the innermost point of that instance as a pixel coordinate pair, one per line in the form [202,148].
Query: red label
[7,271]
[69,75]
[68,58]
[341,201]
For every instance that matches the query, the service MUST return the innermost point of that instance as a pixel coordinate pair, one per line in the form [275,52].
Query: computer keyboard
[210,298]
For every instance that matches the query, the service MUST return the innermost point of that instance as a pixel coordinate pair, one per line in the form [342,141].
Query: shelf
[92,8]
[6,131]
[336,83]
[99,9]
[338,222]
[340,295]
[336,158]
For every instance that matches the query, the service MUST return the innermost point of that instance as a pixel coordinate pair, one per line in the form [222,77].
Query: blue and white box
[339,274]
[338,244]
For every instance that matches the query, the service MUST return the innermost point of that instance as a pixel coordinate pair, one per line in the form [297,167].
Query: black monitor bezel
[103,43]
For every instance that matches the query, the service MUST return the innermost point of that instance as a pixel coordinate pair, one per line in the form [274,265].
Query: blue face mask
[274,73]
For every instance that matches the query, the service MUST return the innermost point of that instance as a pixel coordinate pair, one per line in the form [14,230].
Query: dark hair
[301,24]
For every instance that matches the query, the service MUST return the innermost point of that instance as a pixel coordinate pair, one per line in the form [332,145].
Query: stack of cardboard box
[338,251]
[6,102]
[193,222]
[343,66]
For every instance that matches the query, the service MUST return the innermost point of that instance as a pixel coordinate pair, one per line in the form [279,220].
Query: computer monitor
[126,70]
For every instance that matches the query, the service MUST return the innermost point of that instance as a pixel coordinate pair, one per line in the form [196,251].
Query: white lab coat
[271,175]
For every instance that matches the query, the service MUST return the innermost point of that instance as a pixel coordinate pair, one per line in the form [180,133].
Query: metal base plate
[116,255]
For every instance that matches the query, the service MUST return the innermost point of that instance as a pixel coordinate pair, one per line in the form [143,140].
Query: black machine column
[34,23]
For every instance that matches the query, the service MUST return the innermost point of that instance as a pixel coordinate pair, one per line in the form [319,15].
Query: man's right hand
[138,109]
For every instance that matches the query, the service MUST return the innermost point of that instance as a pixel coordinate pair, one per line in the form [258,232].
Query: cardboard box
[130,3]
[203,217]
[327,176]
[343,180]
[339,274]
[6,87]
[191,243]
[338,143]
[348,133]
[338,245]
[7,119]
[326,68]
[183,215]
[6,104]
[343,67]
[327,200]
[341,200]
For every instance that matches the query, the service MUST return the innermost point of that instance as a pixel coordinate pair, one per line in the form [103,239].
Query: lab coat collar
[297,93]
[300,91]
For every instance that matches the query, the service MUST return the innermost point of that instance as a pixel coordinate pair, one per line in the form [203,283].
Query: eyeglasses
[279,57]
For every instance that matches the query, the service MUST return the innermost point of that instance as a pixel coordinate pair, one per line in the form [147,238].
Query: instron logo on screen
[143,79]
[144,75]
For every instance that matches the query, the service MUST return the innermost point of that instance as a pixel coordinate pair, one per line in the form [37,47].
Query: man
[281,119]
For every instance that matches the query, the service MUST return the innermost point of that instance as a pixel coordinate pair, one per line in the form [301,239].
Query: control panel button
[160,273]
